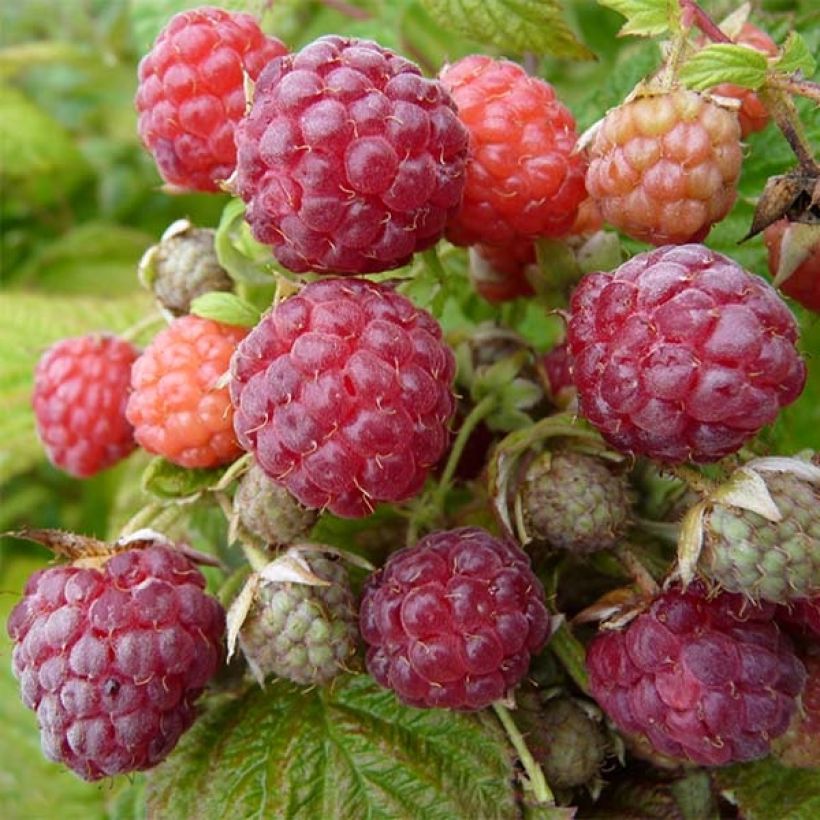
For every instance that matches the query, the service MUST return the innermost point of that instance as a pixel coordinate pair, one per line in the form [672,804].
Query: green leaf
[227,308]
[350,750]
[517,25]
[758,787]
[245,259]
[168,481]
[724,63]
[796,56]
[647,18]
[31,322]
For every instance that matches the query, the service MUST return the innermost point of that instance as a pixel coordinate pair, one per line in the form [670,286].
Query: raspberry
[664,168]
[350,161]
[752,114]
[183,266]
[575,502]
[191,93]
[801,616]
[454,620]
[177,407]
[113,659]
[80,391]
[566,741]
[343,394]
[774,561]
[712,680]
[499,272]
[680,354]
[269,511]
[300,632]
[523,179]
[803,283]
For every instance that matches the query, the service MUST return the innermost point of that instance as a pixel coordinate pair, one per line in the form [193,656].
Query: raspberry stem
[693,13]
[804,88]
[639,573]
[572,655]
[535,777]
[784,112]
[137,329]
[694,478]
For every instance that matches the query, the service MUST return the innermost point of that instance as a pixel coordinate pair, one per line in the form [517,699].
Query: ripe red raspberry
[523,178]
[191,93]
[499,272]
[803,283]
[800,746]
[664,168]
[752,114]
[350,161]
[80,391]
[112,659]
[709,679]
[680,354]
[343,394]
[177,407]
[801,617]
[454,620]
[557,368]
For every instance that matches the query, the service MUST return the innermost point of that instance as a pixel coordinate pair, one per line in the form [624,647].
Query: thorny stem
[804,88]
[693,13]
[639,573]
[537,781]
[782,108]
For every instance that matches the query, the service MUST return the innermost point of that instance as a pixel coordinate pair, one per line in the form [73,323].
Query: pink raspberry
[708,679]
[803,283]
[523,179]
[343,394]
[113,659]
[191,93]
[179,407]
[350,161]
[680,354]
[81,388]
[454,620]
[664,168]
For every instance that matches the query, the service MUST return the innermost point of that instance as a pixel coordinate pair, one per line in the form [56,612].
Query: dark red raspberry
[752,114]
[664,167]
[680,354]
[523,179]
[343,394]
[350,161]
[800,746]
[802,617]
[179,407]
[191,93]
[803,283]
[112,659]
[81,388]
[712,680]
[557,368]
[454,620]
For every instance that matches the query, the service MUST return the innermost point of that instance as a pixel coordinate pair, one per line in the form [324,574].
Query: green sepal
[227,308]
[796,56]
[170,482]
[245,259]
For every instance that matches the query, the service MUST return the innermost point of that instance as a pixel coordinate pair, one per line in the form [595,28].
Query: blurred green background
[81,201]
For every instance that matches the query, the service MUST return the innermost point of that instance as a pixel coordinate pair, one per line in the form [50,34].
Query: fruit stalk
[535,775]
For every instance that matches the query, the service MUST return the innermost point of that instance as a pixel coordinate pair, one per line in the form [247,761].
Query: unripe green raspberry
[766,560]
[575,502]
[303,633]
[269,511]
[567,742]
[183,266]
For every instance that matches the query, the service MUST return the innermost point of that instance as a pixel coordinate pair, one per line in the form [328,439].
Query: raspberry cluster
[191,93]
[453,621]
[178,406]
[81,388]
[113,659]
[343,394]
[681,355]
[349,161]
[711,680]
[523,177]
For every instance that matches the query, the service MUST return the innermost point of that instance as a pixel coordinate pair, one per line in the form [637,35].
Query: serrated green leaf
[517,25]
[346,751]
[796,56]
[168,481]
[30,323]
[724,63]
[227,308]
[245,259]
[647,18]
[758,787]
